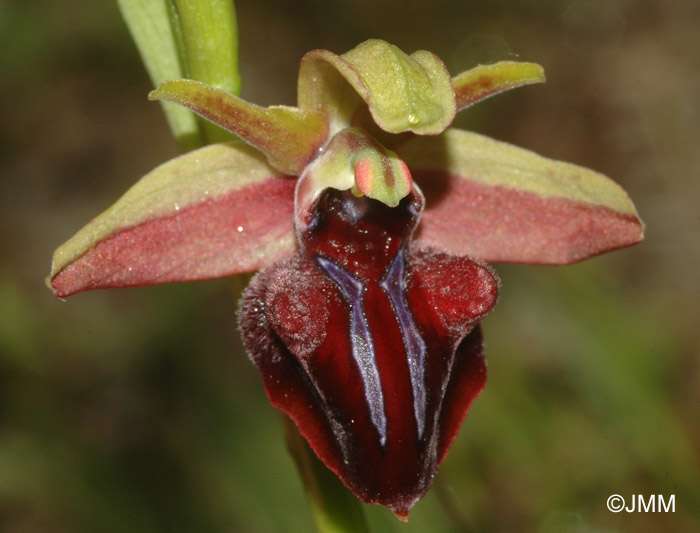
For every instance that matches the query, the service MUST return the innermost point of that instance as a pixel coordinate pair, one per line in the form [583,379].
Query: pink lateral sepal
[500,224]
[500,203]
[213,212]
[237,233]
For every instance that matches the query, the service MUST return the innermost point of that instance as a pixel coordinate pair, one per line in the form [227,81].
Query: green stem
[196,39]
[150,26]
[333,506]
[208,44]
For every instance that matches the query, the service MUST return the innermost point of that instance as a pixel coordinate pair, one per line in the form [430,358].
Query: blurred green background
[137,410]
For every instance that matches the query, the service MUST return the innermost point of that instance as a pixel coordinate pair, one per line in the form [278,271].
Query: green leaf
[213,212]
[498,202]
[289,136]
[404,93]
[150,26]
[484,81]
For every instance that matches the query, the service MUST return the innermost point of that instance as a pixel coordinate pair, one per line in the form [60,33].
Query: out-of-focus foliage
[137,410]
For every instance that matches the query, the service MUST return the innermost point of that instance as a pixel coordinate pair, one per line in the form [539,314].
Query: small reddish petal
[288,136]
[499,224]
[484,81]
[230,234]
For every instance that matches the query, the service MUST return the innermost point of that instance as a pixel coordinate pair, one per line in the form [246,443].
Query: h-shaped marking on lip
[361,341]
[392,283]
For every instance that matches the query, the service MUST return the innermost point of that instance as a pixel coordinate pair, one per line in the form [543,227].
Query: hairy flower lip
[380,427]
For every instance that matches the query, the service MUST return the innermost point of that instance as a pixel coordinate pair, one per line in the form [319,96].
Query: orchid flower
[364,316]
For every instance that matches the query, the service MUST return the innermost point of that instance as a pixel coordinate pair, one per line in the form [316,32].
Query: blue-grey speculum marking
[393,284]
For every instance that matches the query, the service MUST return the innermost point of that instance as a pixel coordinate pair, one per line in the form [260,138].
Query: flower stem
[196,39]
[209,47]
[334,508]
[150,25]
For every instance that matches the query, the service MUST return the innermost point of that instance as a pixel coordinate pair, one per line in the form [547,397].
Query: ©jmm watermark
[638,503]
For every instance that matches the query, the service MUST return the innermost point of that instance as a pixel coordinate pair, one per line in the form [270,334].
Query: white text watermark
[640,503]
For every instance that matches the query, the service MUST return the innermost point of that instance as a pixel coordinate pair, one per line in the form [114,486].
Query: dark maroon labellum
[372,347]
